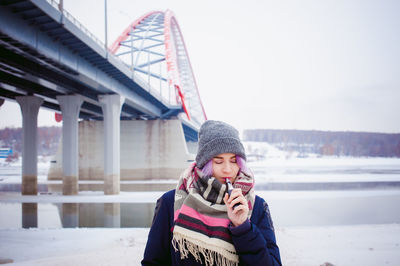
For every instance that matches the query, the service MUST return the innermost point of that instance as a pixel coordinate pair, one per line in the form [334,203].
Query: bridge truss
[154,49]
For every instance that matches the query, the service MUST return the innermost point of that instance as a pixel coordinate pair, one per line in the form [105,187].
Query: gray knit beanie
[216,137]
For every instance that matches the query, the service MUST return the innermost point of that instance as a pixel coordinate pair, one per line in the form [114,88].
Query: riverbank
[300,246]
[357,226]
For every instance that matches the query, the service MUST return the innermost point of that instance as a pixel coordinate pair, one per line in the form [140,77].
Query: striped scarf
[201,219]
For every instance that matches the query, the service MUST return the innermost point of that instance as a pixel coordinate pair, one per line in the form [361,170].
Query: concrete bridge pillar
[70,106]
[29,108]
[111,105]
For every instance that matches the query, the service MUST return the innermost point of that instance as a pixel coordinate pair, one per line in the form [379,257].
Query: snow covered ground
[366,245]
[326,169]
[338,227]
[351,227]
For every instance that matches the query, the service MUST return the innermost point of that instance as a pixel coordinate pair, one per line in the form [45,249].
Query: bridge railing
[57,4]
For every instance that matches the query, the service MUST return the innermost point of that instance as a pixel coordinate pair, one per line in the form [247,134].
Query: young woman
[202,222]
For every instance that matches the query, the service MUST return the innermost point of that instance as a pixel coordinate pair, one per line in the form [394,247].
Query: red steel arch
[178,67]
[125,34]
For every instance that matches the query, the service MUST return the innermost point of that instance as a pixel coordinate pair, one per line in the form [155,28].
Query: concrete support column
[70,106]
[29,108]
[111,105]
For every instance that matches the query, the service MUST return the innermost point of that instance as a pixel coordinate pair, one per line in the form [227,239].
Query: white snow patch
[366,245]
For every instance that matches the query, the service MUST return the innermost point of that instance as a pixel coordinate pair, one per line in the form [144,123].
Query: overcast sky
[323,65]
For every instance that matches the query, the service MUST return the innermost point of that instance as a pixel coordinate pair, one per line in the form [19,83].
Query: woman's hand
[240,213]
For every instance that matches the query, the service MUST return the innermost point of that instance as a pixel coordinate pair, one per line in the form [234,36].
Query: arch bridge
[49,59]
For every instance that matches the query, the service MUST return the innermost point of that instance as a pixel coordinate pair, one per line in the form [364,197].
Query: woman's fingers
[240,200]
[226,198]
[239,209]
[237,214]
[237,192]
[236,198]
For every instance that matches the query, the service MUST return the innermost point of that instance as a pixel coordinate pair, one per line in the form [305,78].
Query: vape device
[230,188]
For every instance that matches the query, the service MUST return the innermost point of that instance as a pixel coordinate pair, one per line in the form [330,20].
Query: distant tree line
[301,141]
[329,142]
[48,140]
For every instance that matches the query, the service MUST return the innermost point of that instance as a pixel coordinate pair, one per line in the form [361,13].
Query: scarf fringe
[211,257]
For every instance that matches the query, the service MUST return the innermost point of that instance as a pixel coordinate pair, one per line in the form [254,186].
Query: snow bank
[340,245]
[73,246]
[263,148]
[300,246]
[331,162]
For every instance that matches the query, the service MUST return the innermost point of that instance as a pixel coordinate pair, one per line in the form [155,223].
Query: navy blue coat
[254,240]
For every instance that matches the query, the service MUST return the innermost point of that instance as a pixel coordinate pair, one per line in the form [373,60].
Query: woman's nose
[227,167]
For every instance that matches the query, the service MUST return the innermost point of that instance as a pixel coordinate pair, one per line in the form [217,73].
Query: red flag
[58,117]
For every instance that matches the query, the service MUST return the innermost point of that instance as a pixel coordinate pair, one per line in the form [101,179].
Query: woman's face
[224,165]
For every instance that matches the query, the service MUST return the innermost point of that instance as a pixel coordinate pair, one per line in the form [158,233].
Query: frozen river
[328,205]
